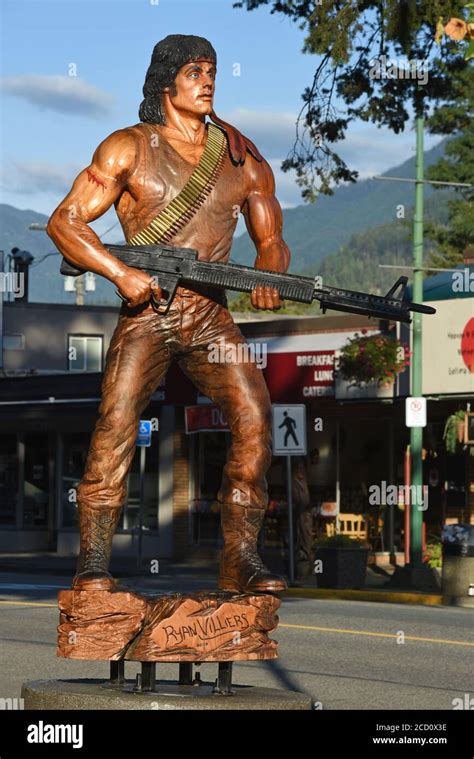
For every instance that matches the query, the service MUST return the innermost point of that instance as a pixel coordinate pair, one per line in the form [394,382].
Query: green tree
[457,165]
[357,42]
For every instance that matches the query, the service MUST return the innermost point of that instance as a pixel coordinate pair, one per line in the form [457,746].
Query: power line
[40,260]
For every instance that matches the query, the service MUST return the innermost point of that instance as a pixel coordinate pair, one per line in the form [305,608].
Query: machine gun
[175,267]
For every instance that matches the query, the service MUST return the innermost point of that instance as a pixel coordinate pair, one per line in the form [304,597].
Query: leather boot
[97,527]
[241,568]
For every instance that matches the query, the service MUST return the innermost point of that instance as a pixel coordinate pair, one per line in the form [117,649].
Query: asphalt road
[344,654]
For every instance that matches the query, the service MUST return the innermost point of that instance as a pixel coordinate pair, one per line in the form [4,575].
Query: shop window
[8,479]
[36,483]
[211,453]
[14,342]
[85,353]
[131,515]
[75,447]
[455,485]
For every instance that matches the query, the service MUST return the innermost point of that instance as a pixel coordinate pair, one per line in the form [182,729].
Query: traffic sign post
[144,433]
[289,439]
[415,417]
[289,429]
[415,569]
[416,433]
[415,412]
[143,442]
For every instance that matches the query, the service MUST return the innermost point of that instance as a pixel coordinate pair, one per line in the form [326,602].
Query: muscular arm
[264,221]
[94,191]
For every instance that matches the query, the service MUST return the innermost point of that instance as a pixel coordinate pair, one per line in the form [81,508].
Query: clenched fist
[136,287]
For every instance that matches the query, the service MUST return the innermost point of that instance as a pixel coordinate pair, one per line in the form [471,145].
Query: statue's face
[194,88]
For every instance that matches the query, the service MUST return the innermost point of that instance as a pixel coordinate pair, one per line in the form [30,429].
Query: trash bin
[457,578]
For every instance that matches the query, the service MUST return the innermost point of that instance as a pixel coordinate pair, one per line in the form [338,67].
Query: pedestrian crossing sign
[289,429]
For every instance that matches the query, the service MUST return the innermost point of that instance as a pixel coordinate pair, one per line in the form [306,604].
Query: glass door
[36,486]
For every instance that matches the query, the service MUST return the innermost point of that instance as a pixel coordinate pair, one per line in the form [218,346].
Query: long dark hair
[167,58]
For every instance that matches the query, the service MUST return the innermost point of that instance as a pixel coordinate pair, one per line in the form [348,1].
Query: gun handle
[168,285]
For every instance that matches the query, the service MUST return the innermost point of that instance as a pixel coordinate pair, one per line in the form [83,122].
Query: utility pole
[413,575]
[79,286]
[416,433]
[416,574]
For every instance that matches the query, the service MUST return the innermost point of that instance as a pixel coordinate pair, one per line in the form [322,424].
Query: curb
[380,596]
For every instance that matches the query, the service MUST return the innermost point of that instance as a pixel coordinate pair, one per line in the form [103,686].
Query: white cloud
[65,94]
[370,150]
[30,177]
[273,132]
[366,149]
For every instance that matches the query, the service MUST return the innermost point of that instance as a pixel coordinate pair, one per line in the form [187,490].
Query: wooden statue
[141,169]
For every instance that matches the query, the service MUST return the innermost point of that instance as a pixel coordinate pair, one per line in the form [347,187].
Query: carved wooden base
[198,627]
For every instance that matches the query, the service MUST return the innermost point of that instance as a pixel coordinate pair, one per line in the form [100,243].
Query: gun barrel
[382,307]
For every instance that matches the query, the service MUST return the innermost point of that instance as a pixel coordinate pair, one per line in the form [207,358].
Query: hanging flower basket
[375,358]
[454,430]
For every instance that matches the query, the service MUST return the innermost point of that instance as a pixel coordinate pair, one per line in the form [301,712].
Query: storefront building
[49,399]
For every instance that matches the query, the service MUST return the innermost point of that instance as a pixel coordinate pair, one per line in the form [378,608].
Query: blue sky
[52,121]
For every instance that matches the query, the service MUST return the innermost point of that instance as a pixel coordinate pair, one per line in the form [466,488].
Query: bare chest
[162,171]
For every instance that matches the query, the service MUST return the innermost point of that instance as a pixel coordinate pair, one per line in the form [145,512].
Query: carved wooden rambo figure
[140,169]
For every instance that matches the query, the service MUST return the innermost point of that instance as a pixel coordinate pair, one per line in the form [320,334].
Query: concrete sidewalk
[200,573]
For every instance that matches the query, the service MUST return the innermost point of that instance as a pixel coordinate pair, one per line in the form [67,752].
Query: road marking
[27,603]
[338,630]
[378,596]
[378,634]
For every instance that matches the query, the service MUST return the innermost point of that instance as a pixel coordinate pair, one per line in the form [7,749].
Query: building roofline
[307,324]
[269,324]
[61,307]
